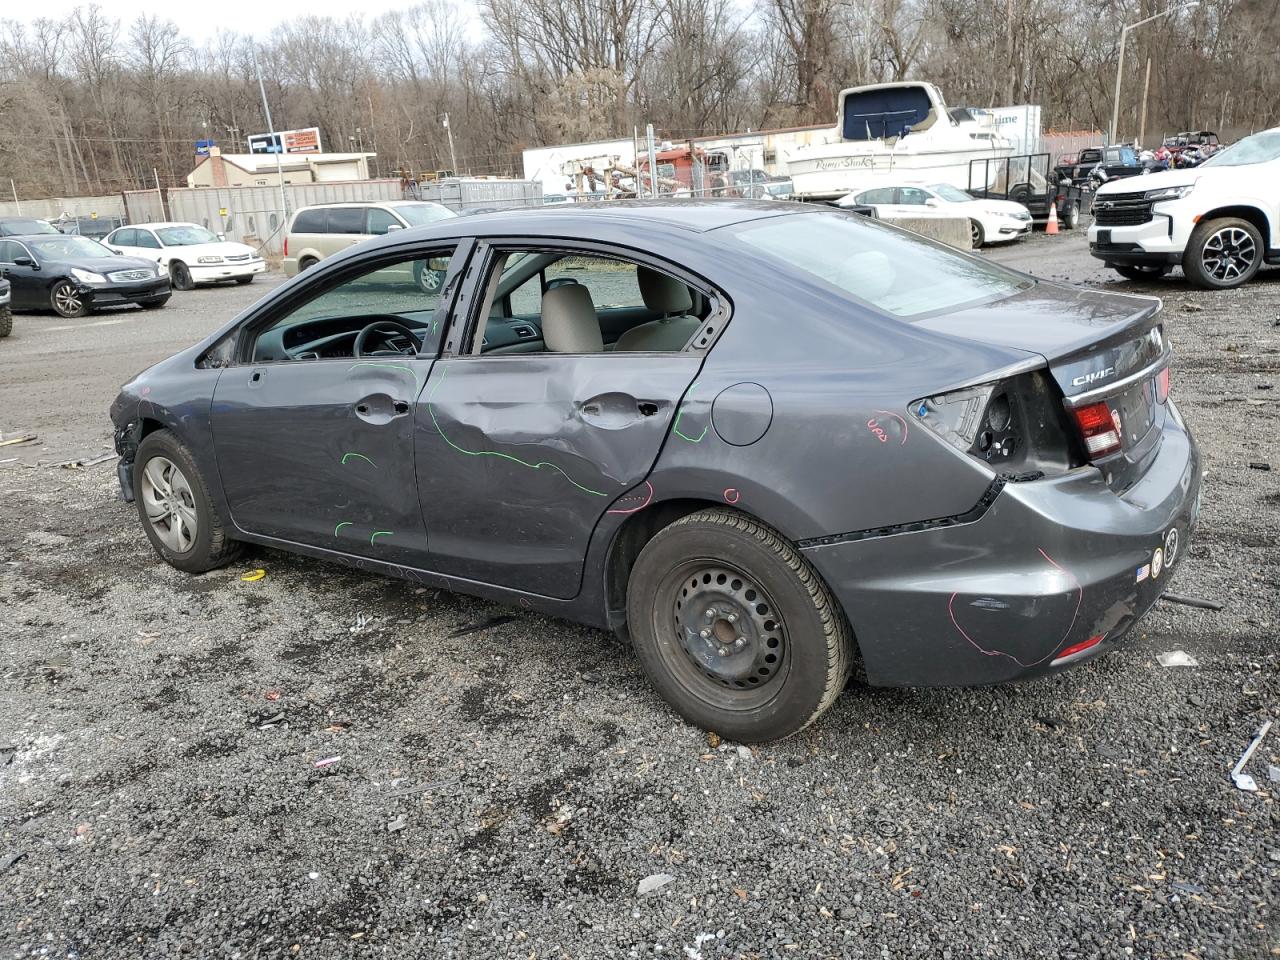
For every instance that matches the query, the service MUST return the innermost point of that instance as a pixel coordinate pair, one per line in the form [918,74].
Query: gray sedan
[764,440]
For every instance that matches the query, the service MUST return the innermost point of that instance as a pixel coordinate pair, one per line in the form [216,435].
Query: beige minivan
[323,230]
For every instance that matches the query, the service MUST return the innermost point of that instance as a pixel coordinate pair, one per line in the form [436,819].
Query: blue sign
[202,147]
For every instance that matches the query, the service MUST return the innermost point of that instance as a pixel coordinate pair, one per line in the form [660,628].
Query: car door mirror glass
[23,262]
[393,226]
[438,264]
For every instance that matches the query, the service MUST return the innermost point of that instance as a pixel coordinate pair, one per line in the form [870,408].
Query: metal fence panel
[65,208]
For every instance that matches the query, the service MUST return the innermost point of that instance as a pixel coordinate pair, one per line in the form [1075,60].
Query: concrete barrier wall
[953,231]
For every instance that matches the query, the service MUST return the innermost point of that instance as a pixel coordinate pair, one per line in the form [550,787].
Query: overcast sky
[201,20]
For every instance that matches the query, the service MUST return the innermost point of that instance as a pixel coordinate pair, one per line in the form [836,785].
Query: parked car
[1100,163]
[73,275]
[1219,221]
[6,310]
[95,228]
[321,231]
[760,440]
[990,221]
[25,227]
[189,253]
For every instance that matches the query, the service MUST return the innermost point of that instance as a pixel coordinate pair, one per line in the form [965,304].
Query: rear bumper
[1050,564]
[212,273]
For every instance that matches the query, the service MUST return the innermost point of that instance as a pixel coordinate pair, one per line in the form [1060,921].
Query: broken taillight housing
[1098,429]
[286,244]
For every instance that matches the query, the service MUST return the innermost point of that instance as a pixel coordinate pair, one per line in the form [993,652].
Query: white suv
[1220,221]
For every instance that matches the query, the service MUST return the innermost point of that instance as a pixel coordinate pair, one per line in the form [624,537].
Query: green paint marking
[381,533]
[348,456]
[493,453]
[387,364]
[344,523]
[675,427]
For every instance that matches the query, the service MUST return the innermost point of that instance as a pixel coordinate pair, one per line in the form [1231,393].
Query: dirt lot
[502,792]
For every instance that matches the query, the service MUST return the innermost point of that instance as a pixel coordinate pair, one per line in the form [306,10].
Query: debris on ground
[85,461]
[253,575]
[327,762]
[10,860]
[24,438]
[1183,887]
[1177,658]
[653,882]
[1241,779]
[482,625]
[1259,465]
[1187,601]
[1273,773]
[399,823]
[272,695]
[269,722]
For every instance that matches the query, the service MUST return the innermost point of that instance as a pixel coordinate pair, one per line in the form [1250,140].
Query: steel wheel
[180,276]
[731,646]
[1228,254]
[67,301]
[976,236]
[170,504]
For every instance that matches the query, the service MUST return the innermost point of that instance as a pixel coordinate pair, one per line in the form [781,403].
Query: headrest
[662,293]
[569,321]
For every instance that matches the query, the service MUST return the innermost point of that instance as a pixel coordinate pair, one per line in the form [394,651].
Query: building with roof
[259,169]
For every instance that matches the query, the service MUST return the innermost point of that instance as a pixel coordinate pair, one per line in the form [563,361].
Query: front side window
[145,238]
[897,273]
[380,221]
[10,251]
[881,195]
[950,193]
[187,235]
[914,197]
[123,238]
[396,302]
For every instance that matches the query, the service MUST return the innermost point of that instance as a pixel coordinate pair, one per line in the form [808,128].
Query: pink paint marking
[731,495]
[647,498]
[1000,653]
[875,428]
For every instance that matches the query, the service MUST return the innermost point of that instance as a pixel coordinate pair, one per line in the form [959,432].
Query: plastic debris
[482,625]
[1177,658]
[10,860]
[1259,465]
[24,438]
[1273,773]
[1241,779]
[253,575]
[1187,601]
[744,753]
[1183,887]
[266,722]
[399,823]
[327,762]
[652,883]
[273,695]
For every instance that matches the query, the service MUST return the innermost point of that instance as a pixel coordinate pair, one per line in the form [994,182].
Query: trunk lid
[1099,347]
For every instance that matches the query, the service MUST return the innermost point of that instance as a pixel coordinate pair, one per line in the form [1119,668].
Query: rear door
[27,288]
[346,228]
[520,454]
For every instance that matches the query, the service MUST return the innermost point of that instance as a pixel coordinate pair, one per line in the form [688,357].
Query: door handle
[378,408]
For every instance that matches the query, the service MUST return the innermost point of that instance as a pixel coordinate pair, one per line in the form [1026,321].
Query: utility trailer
[1028,180]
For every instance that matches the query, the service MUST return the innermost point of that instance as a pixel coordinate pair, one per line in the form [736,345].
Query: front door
[313,432]
[522,448]
[27,285]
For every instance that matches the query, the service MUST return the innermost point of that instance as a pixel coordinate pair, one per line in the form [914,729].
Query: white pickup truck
[1219,221]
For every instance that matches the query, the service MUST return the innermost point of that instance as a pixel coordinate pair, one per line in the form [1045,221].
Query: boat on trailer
[894,130]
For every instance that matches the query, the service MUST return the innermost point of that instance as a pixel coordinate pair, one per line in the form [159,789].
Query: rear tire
[175,508]
[306,263]
[244,280]
[734,629]
[1070,215]
[1135,271]
[154,304]
[976,235]
[180,276]
[1222,254]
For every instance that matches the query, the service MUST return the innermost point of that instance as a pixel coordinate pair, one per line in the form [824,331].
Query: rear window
[420,214]
[894,272]
[309,221]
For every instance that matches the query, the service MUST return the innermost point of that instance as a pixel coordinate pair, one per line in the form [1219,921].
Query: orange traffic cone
[1051,225]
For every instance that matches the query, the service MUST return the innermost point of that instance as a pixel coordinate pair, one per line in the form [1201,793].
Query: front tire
[174,505]
[1140,272]
[244,280]
[180,276]
[155,304]
[977,237]
[1222,254]
[66,300]
[734,629]
[6,321]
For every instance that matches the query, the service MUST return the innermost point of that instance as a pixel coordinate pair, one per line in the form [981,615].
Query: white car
[188,252]
[990,221]
[1220,221]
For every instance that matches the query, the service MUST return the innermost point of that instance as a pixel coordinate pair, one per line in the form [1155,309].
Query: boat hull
[830,171]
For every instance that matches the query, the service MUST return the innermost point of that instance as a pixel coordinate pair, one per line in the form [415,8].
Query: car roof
[365,203]
[161,223]
[698,215]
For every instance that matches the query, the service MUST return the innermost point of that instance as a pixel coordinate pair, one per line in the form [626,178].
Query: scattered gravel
[519,790]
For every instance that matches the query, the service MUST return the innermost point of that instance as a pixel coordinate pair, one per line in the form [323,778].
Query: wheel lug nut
[732,618]
[704,633]
[723,651]
[740,642]
[711,612]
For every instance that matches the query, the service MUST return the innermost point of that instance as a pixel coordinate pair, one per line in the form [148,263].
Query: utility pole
[159,193]
[277,148]
[1142,124]
[1124,36]
[453,159]
[653,161]
[14,188]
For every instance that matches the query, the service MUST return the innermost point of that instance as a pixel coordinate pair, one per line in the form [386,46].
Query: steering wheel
[386,325]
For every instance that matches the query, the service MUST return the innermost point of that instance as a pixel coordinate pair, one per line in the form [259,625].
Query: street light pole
[453,160]
[277,148]
[1124,36]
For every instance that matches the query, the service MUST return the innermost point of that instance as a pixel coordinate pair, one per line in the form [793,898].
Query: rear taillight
[286,245]
[1162,385]
[1098,429]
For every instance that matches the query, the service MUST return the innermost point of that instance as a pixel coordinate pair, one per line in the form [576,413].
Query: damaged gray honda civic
[762,440]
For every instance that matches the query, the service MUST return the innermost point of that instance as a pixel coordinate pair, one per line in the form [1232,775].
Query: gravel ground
[503,792]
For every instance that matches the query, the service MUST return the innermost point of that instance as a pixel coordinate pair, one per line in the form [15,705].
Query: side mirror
[438,264]
[222,236]
[118,253]
[24,262]
[932,202]
[391,227]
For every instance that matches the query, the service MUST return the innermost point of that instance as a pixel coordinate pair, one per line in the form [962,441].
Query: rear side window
[895,272]
[346,219]
[881,195]
[309,221]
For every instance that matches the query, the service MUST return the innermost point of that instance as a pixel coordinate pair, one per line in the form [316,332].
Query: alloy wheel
[730,640]
[1229,253]
[975,234]
[170,504]
[67,300]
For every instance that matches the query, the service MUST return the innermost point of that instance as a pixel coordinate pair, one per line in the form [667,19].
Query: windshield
[1258,148]
[895,272]
[68,246]
[947,192]
[18,228]
[419,215]
[185,236]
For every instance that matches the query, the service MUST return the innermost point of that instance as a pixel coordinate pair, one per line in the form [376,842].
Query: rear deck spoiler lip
[1119,386]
